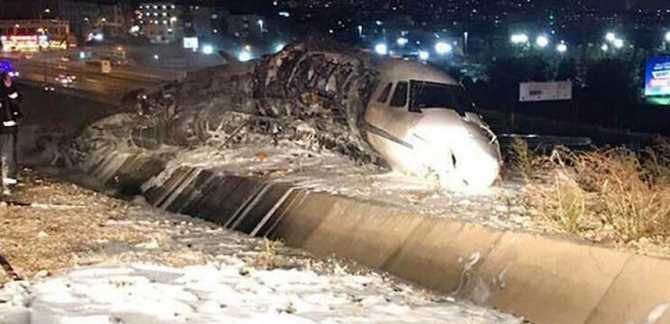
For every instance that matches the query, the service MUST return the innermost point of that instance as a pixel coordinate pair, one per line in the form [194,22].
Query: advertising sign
[191,43]
[545,91]
[657,77]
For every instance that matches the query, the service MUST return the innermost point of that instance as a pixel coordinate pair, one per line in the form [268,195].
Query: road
[111,87]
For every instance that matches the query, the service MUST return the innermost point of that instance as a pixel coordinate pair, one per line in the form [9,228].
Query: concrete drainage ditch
[546,280]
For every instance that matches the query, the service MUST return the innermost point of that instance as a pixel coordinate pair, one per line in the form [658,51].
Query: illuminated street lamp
[618,43]
[443,48]
[519,39]
[424,55]
[667,37]
[610,37]
[381,49]
[562,48]
[244,56]
[260,24]
[604,48]
[208,49]
[542,41]
[402,41]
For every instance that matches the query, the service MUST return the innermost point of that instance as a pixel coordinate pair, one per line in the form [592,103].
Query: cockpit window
[439,95]
[385,94]
[400,95]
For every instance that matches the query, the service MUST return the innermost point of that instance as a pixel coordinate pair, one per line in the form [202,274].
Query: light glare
[381,49]
[208,49]
[443,48]
[562,48]
[519,38]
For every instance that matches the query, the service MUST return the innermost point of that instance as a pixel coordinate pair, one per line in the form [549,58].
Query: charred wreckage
[405,115]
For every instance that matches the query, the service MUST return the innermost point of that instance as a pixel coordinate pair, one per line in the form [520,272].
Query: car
[66,80]
[48,88]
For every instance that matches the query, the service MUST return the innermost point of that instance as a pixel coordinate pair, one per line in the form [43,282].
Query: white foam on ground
[226,292]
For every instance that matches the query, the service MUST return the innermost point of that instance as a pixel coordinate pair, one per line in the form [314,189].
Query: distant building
[159,22]
[114,19]
[245,26]
[208,23]
[82,16]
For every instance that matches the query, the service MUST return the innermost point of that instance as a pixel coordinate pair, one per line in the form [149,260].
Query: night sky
[260,5]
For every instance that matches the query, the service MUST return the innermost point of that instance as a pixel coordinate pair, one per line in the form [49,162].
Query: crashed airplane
[422,121]
[406,115]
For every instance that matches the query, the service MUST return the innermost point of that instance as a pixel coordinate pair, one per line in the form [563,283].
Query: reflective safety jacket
[10,113]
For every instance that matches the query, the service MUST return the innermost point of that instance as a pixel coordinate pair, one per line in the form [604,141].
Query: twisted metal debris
[310,93]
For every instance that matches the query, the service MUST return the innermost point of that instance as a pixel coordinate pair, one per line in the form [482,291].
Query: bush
[617,189]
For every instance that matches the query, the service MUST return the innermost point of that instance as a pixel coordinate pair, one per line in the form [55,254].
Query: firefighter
[9,115]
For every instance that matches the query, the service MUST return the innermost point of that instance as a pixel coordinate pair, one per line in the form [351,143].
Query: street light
[562,48]
[208,49]
[244,56]
[443,48]
[604,48]
[618,43]
[667,37]
[542,41]
[381,49]
[610,37]
[424,55]
[519,39]
[402,41]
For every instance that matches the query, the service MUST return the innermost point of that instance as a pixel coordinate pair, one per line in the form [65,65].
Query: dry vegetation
[608,195]
[48,225]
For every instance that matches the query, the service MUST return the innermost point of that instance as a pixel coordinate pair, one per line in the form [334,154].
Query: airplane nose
[476,164]
[478,172]
[462,153]
[479,164]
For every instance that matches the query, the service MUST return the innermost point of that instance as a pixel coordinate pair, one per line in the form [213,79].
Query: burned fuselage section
[325,97]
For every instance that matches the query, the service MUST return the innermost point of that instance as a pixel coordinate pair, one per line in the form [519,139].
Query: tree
[506,74]
[611,90]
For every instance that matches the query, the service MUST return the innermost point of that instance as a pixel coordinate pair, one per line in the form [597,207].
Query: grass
[522,158]
[268,258]
[625,192]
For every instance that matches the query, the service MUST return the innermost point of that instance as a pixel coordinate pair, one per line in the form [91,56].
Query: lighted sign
[191,43]
[657,77]
[29,43]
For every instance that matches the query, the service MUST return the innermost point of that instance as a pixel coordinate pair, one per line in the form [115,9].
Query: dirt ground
[47,225]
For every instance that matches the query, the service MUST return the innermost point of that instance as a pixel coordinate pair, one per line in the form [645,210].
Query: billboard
[545,91]
[657,77]
[191,43]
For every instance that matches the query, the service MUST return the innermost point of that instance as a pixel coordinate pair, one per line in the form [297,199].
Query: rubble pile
[313,94]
